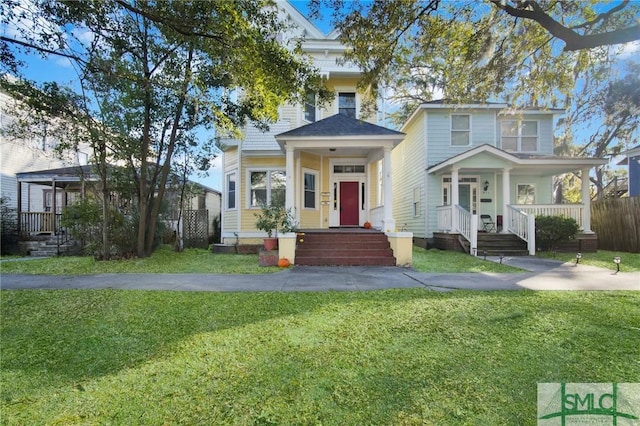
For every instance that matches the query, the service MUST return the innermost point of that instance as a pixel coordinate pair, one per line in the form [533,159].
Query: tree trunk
[166,167]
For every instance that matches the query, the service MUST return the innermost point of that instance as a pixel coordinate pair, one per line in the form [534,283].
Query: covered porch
[338,173]
[43,194]
[503,192]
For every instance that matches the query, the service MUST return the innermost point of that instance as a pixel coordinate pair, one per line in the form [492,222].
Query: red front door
[349,210]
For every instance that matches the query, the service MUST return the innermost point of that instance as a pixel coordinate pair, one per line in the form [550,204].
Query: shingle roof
[340,125]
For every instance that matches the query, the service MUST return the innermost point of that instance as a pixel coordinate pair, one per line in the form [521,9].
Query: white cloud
[630,50]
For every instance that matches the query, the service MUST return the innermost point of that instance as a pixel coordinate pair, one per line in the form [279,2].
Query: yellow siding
[373,185]
[310,218]
[230,163]
[248,219]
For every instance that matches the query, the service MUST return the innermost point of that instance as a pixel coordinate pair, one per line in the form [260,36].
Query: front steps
[47,246]
[344,247]
[501,244]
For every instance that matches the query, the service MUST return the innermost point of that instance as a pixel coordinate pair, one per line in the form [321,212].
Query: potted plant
[271,218]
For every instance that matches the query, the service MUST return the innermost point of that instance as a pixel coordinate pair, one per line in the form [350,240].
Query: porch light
[578,257]
[485,186]
[616,260]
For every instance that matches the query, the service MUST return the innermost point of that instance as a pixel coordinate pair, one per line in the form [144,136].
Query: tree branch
[573,40]
[41,49]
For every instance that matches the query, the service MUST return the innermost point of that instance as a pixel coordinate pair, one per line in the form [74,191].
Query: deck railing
[573,211]
[39,223]
[523,225]
[445,216]
[468,227]
[376,215]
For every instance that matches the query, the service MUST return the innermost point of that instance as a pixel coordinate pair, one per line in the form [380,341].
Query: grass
[395,357]
[440,261]
[163,260]
[630,262]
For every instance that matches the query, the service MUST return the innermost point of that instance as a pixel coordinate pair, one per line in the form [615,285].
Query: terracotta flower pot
[270,243]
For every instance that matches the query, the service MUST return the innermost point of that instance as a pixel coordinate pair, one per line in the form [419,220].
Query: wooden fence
[617,223]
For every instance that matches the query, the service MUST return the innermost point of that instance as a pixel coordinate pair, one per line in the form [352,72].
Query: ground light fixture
[578,257]
[501,257]
[617,260]
[484,253]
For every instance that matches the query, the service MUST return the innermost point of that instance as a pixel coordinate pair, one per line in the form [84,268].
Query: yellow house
[330,166]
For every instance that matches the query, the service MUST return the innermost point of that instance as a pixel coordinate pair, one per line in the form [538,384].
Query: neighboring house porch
[502,192]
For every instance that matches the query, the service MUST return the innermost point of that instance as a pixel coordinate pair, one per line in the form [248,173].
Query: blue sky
[59,69]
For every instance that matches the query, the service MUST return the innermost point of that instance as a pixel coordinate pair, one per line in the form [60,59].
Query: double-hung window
[525,193]
[310,190]
[460,129]
[519,136]
[231,191]
[347,104]
[310,107]
[267,187]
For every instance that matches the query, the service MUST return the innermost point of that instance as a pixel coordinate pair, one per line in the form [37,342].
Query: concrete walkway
[544,274]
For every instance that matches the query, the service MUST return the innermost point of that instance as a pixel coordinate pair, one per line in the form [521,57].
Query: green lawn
[165,260]
[395,357]
[630,262]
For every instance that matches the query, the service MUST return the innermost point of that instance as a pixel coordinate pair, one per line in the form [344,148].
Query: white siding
[408,168]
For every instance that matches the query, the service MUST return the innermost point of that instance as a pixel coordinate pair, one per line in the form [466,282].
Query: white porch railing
[523,225]
[468,227]
[445,216]
[573,211]
[375,217]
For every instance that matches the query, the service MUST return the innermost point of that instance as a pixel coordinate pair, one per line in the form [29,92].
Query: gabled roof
[339,125]
[518,159]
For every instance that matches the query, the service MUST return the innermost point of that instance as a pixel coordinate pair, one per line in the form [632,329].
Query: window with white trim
[310,107]
[310,190]
[231,191]
[519,136]
[525,193]
[267,187]
[347,104]
[416,202]
[460,129]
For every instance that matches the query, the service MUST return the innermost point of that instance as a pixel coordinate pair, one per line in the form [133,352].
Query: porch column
[289,195]
[53,207]
[506,200]
[586,202]
[19,218]
[388,222]
[455,199]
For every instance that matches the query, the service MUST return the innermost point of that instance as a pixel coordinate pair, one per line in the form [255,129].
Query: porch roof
[341,133]
[488,157]
[63,174]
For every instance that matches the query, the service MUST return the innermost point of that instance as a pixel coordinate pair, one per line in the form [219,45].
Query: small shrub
[551,230]
[8,227]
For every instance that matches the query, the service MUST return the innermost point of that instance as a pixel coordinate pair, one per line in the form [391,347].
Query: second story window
[310,107]
[347,104]
[519,136]
[460,129]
